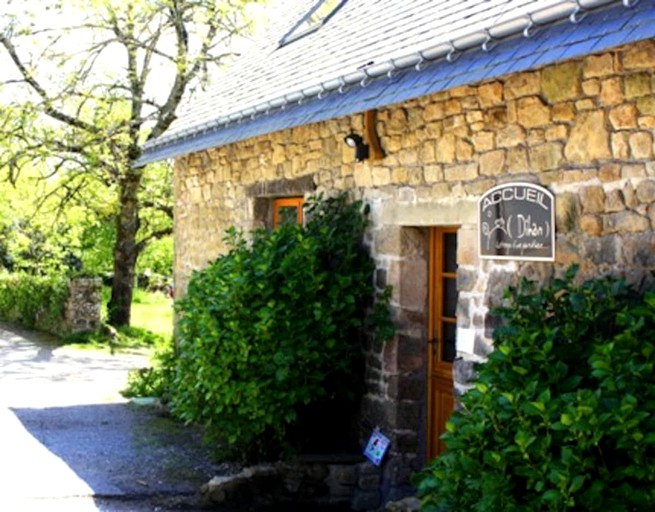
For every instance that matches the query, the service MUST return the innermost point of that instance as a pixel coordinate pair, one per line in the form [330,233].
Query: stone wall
[584,129]
[337,484]
[83,306]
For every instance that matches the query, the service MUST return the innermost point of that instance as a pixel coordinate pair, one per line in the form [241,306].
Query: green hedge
[33,302]
[562,416]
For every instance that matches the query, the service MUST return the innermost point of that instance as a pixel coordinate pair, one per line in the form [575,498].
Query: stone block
[467,246]
[640,56]
[463,371]
[646,106]
[369,482]
[381,176]
[546,156]
[637,250]
[563,112]
[598,65]
[522,84]
[633,171]
[466,279]
[397,122]
[463,172]
[566,254]
[492,163]
[446,149]
[614,201]
[474,116]
[483,141]
[365,500]
[591,87]
[646,191]
[343,474]
[517,160]
[567,208]
[625,222]
[592,199]
[629,195]
[410,504]
[641,145]
[452,107]
[536,136]
[600,250]
[609,172]
[532,112]
[562,82]
[478,187]
[623,117]
[637,85]
[490,94]
[589,139]
[510,136]
[611,91]
[620,146]
[433,173]
[557,132]
[591,225]
[409,414]
[400,387]
[463,150]
[585,104]
[647,122]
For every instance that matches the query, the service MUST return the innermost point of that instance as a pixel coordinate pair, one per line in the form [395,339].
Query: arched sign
[517,221]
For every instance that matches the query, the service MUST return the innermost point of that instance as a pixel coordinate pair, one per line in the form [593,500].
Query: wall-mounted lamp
[356,141]
[369,145]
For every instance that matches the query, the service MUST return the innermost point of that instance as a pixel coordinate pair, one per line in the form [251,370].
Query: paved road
[70,442]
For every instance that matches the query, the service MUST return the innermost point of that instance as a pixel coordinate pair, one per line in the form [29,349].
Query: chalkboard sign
[517,221]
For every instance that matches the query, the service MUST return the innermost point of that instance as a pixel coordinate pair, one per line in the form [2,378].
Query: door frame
[443,371]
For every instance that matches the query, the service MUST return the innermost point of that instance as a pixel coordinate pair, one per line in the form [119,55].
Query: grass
[153,312]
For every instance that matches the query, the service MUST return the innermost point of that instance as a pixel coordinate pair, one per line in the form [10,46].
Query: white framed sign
[377,446]
[516,221]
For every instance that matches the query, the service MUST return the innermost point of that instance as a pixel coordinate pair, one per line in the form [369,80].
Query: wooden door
[442,333]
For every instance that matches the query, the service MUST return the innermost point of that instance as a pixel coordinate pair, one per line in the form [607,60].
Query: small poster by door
[376,448]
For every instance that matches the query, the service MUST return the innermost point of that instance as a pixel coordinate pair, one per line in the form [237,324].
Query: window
[287,210]
[313,20]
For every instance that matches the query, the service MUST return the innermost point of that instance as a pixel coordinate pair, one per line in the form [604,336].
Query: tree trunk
[125,250]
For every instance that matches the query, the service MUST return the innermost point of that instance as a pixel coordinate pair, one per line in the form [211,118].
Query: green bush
[562,416]
[34,302]
[273,328]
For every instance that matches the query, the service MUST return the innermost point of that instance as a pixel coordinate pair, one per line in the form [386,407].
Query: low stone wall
[339,483]
[82,309]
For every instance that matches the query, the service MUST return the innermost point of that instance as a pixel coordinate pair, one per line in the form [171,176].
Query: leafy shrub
[34,302]
[153,381]
[562,416]
[273,328]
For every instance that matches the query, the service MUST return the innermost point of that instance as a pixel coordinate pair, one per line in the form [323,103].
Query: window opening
[287,210]
[318,16]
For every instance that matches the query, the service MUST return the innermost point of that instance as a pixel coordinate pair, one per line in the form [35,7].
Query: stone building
[462,97]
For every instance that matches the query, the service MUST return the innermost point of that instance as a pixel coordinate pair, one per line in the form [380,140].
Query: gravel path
[70,442]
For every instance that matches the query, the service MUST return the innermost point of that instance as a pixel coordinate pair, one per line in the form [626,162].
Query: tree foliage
[562,416]
[86,83]
[270,334]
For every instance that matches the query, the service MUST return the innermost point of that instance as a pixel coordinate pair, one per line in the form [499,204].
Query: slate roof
[373,53]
